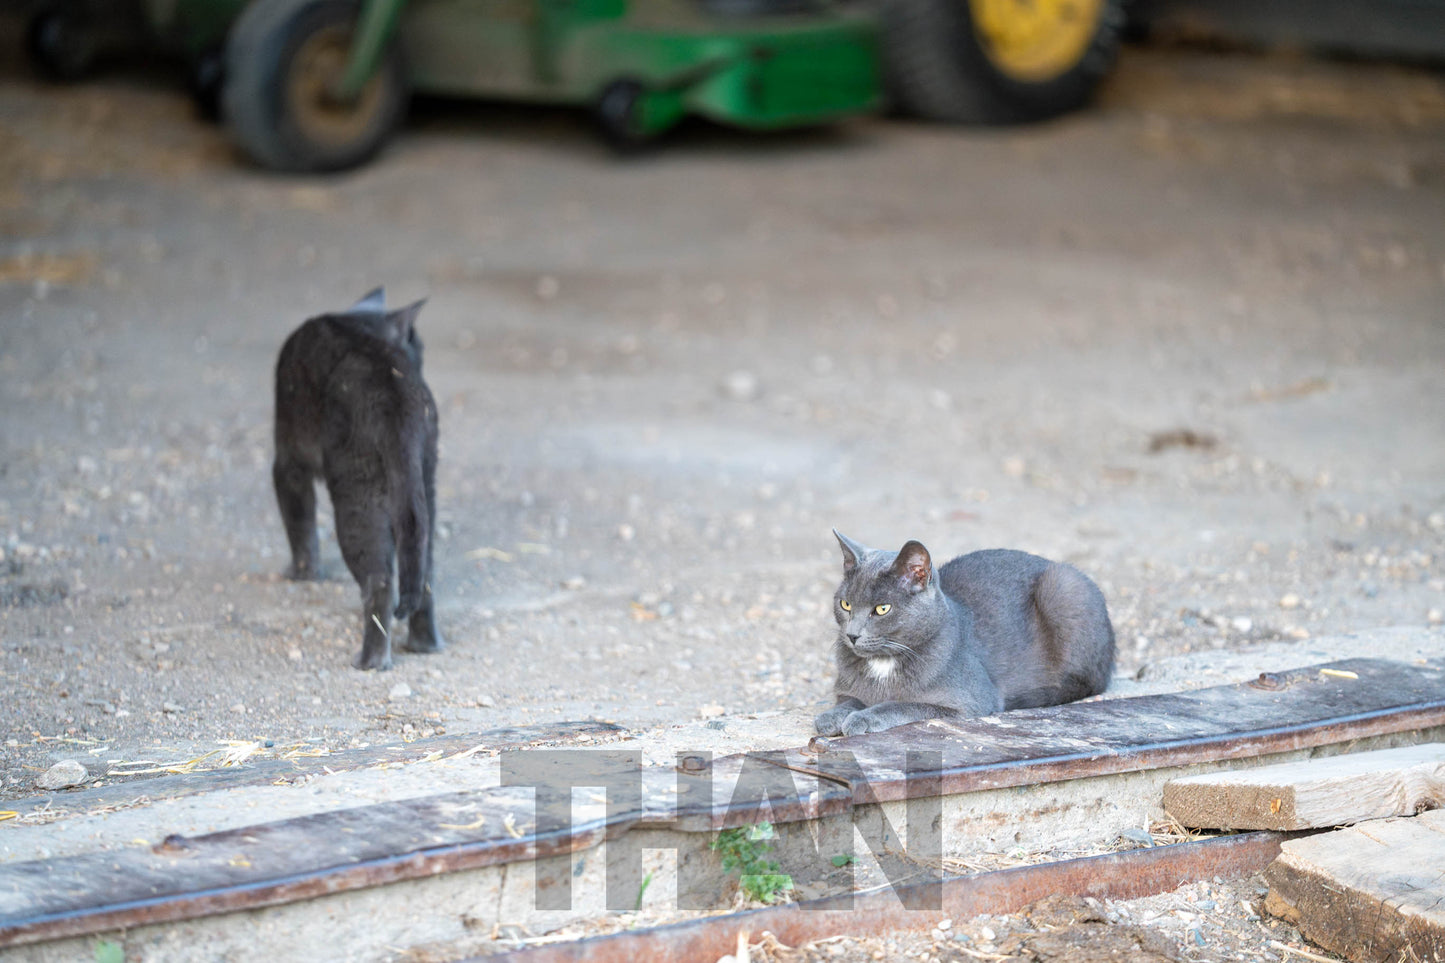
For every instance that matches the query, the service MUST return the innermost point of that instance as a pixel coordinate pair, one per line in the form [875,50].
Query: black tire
[940,66]
[618,116]
[280,57]
[60,41]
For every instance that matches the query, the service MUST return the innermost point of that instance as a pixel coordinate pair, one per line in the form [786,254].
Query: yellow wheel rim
[315,70]
[1035,40]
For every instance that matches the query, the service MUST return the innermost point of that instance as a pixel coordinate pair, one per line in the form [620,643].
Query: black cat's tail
[413,532]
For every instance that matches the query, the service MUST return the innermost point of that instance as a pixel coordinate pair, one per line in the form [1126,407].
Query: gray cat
[991,630]
[352,409]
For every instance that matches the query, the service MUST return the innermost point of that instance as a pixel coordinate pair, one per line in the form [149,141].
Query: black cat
[352,408]
[991,630]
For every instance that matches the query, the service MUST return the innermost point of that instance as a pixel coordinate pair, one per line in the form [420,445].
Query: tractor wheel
[997,61]
[619,116]
[60,41]
[283,60]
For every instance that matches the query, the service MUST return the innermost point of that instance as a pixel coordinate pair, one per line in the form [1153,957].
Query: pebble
[741,386]
[574,584]
[1242,624]
[987,934]
[1290,601]
[63,775]
[399,691]
[486,701]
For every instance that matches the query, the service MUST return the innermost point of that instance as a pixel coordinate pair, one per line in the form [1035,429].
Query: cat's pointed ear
[852,552]
[913,566]
[374,302]
[399,323]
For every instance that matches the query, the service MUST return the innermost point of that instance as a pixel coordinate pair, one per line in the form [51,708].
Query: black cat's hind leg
[296,496]
[364,532]
[422,632]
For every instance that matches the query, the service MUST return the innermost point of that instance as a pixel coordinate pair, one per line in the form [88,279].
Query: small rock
[486,702]
[294,654]
[711,711]
[239,708]
[1014,467]
[946,925]
[399,691]
[1290,601]
[626,532]
[741,386]
[1242,624]
[1138,836]
[575,584]
[987,934]
[63,775]
[1434,617]
[172,707]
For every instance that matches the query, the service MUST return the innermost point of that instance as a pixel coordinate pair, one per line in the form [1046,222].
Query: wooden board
[1373,892]
[373,845]
[1316,794]
[263,770]
[1279,712]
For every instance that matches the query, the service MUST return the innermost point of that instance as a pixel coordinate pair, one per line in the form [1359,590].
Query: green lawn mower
[316,85]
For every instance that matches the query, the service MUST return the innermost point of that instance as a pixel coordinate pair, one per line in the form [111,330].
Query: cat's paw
[424,643]
[830,723]
[863,721]
[378,661]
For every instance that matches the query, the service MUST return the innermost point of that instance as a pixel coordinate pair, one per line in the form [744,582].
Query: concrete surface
[1189,340]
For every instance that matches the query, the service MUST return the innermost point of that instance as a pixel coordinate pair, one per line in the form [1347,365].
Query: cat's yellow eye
[881,609]
[846,606]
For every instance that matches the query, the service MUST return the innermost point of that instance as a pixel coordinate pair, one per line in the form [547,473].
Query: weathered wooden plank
[306,856]
[1372,892]
[1280,712]
[262,771]
[373,845]
[1316,794]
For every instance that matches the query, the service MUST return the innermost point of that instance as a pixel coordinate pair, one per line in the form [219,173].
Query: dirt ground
[1190,340]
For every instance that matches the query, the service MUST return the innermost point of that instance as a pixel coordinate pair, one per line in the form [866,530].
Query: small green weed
[108,951]
[844,859]
[646,882]
[742,852]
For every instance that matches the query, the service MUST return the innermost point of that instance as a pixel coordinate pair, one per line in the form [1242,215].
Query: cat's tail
[413,529]
[412,536]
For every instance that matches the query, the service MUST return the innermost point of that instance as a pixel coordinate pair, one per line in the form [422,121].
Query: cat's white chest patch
[882,668]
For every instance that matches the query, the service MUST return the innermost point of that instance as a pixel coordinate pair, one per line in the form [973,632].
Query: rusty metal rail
[1130,875]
